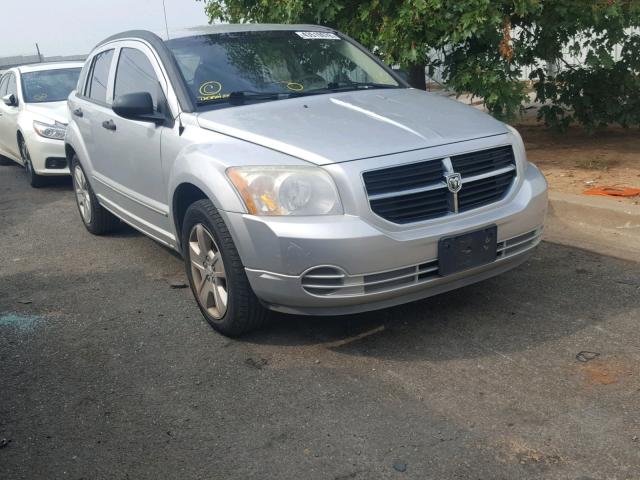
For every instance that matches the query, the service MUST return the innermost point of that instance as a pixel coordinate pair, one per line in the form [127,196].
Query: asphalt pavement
[107,371]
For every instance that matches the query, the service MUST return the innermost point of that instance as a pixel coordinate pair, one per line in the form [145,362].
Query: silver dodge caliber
[295,172]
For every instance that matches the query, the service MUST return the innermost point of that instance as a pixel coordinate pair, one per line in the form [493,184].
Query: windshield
[49,85]
[270,65]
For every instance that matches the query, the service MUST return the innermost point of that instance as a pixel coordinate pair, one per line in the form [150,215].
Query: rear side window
[135,74]
[82,78]
[97,89]
[3,85]
[12,87]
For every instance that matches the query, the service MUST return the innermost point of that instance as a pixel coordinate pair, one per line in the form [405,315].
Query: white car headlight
[286,190]
[55,131]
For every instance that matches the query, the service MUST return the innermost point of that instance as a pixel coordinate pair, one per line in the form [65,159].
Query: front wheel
[216,274]
[35,180]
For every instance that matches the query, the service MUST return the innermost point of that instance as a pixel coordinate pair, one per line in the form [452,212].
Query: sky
[74,27]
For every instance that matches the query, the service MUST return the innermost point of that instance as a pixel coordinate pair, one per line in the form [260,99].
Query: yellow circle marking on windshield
[210,88]
[296,87]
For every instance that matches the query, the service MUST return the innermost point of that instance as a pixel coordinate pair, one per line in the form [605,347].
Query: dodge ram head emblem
[454,182]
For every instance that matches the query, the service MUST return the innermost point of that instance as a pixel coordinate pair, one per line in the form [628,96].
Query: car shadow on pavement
[59,183]
[125,230]
[545,299]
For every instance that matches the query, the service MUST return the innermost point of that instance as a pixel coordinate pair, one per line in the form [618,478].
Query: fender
[74,140]
[197,165]
[16,155]
[204,165]
[22,126]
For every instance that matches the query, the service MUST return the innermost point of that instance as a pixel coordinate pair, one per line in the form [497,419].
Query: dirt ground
[575,161]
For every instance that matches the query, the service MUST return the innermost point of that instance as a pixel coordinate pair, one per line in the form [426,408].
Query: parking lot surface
[108,371]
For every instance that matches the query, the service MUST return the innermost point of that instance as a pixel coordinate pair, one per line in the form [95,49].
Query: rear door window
[12,86]
[82,78]
[97,88]
[136,74]
[3,85]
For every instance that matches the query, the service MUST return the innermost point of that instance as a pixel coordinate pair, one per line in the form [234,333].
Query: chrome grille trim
[418,196]
[520,243]
[428,188]
[322,277]
[493,173]
[345,285]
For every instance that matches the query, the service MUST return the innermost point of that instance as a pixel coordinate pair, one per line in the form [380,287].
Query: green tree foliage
[602,89]
[484,46]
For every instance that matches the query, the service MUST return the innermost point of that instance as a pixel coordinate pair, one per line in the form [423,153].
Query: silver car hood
[339,127]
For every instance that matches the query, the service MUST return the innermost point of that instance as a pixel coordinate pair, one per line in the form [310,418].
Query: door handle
[109,125]
[78,112]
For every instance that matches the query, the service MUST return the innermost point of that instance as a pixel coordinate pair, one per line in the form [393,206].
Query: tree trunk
[417,76]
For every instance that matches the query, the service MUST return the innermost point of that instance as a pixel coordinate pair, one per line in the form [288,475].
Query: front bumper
[379,268]
[46,153]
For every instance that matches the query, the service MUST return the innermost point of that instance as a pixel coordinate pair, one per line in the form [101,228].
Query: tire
[4,161]
[35,180]
[95,217]
[243,311]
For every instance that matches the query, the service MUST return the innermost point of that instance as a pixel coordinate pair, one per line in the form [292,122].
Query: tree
[484,46]
[602,88]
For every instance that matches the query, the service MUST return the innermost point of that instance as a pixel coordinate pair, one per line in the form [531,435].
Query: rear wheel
[216,274]
[95,217]
[35,180]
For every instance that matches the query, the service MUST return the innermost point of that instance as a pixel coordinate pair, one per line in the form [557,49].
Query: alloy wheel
[208,273]
[82,194]
[26,158]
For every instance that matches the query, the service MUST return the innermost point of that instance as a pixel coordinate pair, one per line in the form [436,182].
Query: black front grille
[413,207]
[482,192]
[417,191]
[476,163]
[403,177]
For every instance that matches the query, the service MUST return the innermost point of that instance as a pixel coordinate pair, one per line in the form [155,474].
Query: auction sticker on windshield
[318,35]
[210,90]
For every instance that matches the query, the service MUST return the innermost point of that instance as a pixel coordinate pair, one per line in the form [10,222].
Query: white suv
[33,117]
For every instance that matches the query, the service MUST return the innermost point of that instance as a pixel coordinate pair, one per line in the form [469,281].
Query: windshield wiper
[358,85]
[345,87]
[241,96]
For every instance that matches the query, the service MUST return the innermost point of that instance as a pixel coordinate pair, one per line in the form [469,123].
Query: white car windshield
[270,65]
[49,85]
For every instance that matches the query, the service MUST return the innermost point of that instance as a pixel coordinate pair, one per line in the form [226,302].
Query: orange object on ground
[613,191]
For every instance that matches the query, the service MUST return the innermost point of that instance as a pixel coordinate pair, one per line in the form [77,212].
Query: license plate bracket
[469,250]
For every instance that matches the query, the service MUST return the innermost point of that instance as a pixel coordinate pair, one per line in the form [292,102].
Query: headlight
[55,131]
[286,190]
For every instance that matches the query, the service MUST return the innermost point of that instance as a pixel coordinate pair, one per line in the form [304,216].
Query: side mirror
[137,106]
[10,100]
